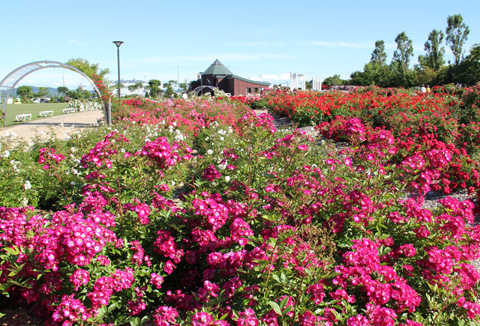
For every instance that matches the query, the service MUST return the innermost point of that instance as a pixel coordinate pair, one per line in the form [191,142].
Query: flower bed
[190,217]
[448,119]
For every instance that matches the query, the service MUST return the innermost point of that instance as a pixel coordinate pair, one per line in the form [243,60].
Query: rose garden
[201,212]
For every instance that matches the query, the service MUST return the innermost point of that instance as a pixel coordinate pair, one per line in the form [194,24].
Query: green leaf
[287,310]
[134,321]
[275,277]
[112,306]
[284,302]
[275,307]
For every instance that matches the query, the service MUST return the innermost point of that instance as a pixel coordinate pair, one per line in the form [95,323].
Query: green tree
[309,84]
[434,57]
[168,88]
[469,68]
[139,86]
[154,88]
[134,87]
[83,93]
[89,69]
[131,88]
[334,80]
[42,92]
[183,87]
[404,52]
[376,72]
[457,33]
[62,90]
[379,57]
[72,95]
[25,92]
[401,61]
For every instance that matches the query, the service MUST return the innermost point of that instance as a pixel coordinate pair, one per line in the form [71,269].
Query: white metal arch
[199,89]
[13,78]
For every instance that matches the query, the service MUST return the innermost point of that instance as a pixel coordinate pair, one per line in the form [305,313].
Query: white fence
[84,105]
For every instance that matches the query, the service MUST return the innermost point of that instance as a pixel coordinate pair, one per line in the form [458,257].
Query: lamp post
[118,43]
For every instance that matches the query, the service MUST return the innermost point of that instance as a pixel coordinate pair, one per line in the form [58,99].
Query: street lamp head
[118,43]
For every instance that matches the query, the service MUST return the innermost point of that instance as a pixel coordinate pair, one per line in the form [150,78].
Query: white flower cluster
[178,135]
[10,134]
[15,165]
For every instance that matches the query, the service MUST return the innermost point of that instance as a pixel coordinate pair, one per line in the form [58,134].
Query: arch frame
[198,89]
[11,80]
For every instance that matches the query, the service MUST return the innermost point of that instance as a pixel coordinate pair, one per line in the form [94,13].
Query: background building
[217,75]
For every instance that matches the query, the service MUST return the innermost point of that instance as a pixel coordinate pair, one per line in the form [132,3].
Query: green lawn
[33,109]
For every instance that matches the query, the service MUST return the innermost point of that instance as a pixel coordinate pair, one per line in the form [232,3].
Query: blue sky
[262,40]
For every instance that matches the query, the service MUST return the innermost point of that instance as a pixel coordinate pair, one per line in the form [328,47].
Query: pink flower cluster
[49,157]
[105,286]
[163,154]
[211,173]
[380,283]
[103,152]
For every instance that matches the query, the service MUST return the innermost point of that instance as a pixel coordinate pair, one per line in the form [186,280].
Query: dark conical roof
[217,68]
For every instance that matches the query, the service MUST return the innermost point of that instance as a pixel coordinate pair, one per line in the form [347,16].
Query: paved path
[61,125]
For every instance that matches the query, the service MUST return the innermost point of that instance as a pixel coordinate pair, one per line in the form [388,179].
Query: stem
[119,204]
[270,263]
[59,178]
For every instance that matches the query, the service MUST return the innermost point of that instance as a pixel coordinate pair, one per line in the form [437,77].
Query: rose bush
[210,216]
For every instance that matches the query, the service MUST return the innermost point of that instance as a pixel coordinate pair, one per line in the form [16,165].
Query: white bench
[69,110]
[45,113]
[23,117]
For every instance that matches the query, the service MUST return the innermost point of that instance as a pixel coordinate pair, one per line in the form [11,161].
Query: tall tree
[401,61]
[403,52]
[457,34]
[379,57]
[434,57]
